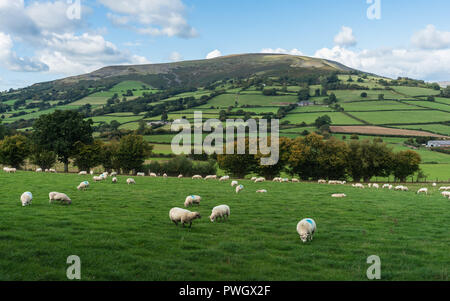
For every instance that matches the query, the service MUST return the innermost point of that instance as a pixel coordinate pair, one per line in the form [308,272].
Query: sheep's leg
[176,223]
[190,225]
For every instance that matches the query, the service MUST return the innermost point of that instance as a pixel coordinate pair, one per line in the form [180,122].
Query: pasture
[123,232]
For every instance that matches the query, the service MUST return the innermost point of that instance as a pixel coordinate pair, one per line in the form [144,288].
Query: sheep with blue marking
[26,198]
[83,185]
[191,200]
[239,188]
[306,228]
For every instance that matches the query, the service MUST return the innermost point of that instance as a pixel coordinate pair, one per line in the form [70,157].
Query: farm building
[305,104]
[439,143]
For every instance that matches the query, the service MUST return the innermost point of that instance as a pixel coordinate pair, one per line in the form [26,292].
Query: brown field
[377,130]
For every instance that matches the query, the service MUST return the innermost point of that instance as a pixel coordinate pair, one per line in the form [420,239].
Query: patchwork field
[123,232]
[376,130]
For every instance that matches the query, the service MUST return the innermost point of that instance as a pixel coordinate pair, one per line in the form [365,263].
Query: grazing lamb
[285,180]
[26,198]
[222,212]
[261,191]
[131,181]
[339,195]
[10,170]
[180,176]
[225,178]
[92,172]
[239,188]
[234,183]
[82,173]
[444,188]
[140,174]
[114,180]
[401,188]
[197,177]
[192,199]
[61,197]
[279,180]
[52,171]
[423,190]
[306,229]
[83,185]
[183,216]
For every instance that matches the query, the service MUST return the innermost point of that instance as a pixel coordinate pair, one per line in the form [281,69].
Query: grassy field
[310,118]
[123,232]
[400,117]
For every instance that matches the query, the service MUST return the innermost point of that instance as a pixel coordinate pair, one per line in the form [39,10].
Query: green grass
[310,118]
[376,106]
[226,100]
[403,117]
[123,232]
[431,105]
[415,91]
[353,95]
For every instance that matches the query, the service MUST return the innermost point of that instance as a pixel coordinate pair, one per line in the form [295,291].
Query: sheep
[322,182]
[52,170]
[423,190]
[234,183]
[401,188]
[285,180]
[369,185]
[197,177]
[191,200]
[239,188]
[444,188]
[103,176]
[386,186]
[261,191]
[46,170]
[295,180]
[222,211]
[165,175]
[253,179]
[358,185]
[114,174]
[92,172]
[10,170]
[183,216]
[82,173]
[140,174]
[434,185]
[61,197]
[131,181]
[83,185]
[39,170]
[339,195]
[277,180]
[180,176]
[211,178]
[153,175]
[376,186]
[260,180]
[114,180]
[446,194]
[98,179]
[225,178]
[306,229]
[26,198]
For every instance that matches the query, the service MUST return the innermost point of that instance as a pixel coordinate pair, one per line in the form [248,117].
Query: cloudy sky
[49,39]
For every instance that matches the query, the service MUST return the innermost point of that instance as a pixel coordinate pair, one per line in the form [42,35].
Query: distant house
[439,143]
[305,103]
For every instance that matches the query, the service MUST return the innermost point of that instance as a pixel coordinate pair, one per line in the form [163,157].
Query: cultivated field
[123,232]
[376,130]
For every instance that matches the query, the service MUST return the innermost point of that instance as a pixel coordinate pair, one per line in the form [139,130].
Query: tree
[303,94]
[304,155]
[322,120]
[405,164]
[380,96]
[108,156]
[238,165]
[58,132]
[132,152]
[43,158]
[333,159]
[87,155]
[272,171]
[14,150]
[364,94]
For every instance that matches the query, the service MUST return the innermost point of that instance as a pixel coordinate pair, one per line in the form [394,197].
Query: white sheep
[401,188]
[306,229]
[61,197]
[183,216]
[285,180]
[39,170]
[98,179]
[114,180]
[114,174]
[253,179]
[197,177]
[434,185]
[376,186]
[239,188]
[386,186]
[358,185]
[294,180]
[234,183]
[165,175]
[191,200]
[423,190]
[140,174]
[444,188]
[92,172]
[261,191]
[26,198]
[211,177]
[180,176]
[52,170]
[225,178]
[260,180]
[446,194]
[83,185]
[322,182]
[131,181]
[339,195]
[153,175]
[82,173]
[276,179]
[222,212]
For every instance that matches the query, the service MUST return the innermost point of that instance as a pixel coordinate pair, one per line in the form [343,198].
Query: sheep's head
[197,215]
[212,218]
[304,236]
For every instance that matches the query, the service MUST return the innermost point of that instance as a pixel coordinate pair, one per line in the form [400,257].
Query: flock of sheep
[306,228]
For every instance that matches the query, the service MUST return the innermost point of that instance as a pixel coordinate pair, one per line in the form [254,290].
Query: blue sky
[39,41]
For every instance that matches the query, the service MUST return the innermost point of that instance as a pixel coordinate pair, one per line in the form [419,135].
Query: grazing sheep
[140,174]
[423,190]
[114,174]
[180,176]
[52,171]
[131,181]
[358,185]
[165,175]
[39,170]
[153,175]
[434,185]
[197,177]
[322,181]
[222,211]
[261,191]
[10,170]
[98,179]
[211,178]
[82,173]
[225,178]
[332,182]
[376,186]
[339,195]
[253,179]
[285,180]
[446,194]
[239,188]
[183,216]
[260,180]
[444,188]
[61,197]
[295,180]
[306,229]
[234,183]
[386,186]
[83,185]
[26,198]
[279,180]
[192,199]
[114,180]
[92,172]
[401,188]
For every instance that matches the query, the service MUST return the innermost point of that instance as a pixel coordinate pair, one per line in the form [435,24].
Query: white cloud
[155,17]
[345,37]
[213,54]
[431,38]
[176,56]
[294,51]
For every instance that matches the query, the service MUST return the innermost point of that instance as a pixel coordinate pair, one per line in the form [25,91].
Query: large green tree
[88,155]
[132,152]
[14,150]
[59,131]
[236,164]
[405,164]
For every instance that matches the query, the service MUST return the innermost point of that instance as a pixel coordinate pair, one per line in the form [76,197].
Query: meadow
[123,232]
